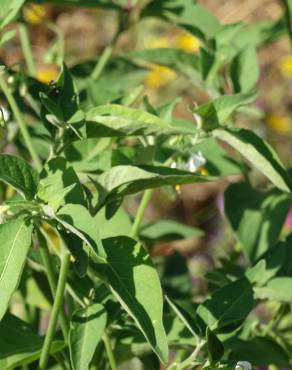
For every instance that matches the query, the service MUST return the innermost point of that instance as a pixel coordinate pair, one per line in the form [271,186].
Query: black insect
[55,90]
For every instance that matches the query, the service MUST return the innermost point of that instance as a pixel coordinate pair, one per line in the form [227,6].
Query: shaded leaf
[258,217]
[18,174]
[15,240]
[179,60]
[123,180]
[168,230]
[135,283]
[228,305]
[261,351]
[19,344]
[214,347]
[76,219]
[258,152]
[59,184]
[86,328]
[218,162]
[219,110]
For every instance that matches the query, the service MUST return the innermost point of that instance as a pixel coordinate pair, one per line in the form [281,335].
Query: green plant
[86,143]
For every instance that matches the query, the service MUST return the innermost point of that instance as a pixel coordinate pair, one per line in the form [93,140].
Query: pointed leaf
[59,184]
[77,220]
[19,344]
[258,152]
[117,120]
[134,281]
[86,328]
[228,305]
[123,180]
[258,217]
[18,174]
[214,347]
[15,240]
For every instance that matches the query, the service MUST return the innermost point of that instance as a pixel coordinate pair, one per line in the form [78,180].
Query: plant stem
[46,258]
[140,213]
[65,262]
[192,356]
[19,118]
[102,62]
[109,351]
[26,49]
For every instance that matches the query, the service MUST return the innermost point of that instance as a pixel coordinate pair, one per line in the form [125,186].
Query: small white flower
[173,165]
[3,212]
[243,365]
[195,162]
[4,114]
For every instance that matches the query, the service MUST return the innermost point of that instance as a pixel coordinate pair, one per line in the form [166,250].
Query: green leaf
[193,17]
[185,314]
[179,60]
[123,180]
[117,120]
[77,219]
[219,110]
[86,3]
[9,10]
[168,230]
[214,347]
[245,70]
[118,80]
[228,305]
[86,328]
[259,351]
[218,162]
[15,240]
[119,224]
[68,100]
[288,16]
[7,36]
[59,184]
[135,283]
[19,344]
[258,217]
[19,174]
[277,289]
[258,152]
[89,155]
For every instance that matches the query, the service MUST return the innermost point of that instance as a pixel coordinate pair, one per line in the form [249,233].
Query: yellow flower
[203,171]
[34,14]
[159,76]
[52,235]
[178,189]
[188,42]
[72,258]
[286,66]
[278,123]
[48,74]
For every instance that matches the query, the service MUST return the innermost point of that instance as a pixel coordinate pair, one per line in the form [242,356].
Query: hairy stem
[141,211]
[102,62]
[65,262]
[26,49]
[20,120]
[193,356]
[46,258]
[109,351]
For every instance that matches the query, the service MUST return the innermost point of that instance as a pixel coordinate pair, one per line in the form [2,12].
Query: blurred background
[81,34]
